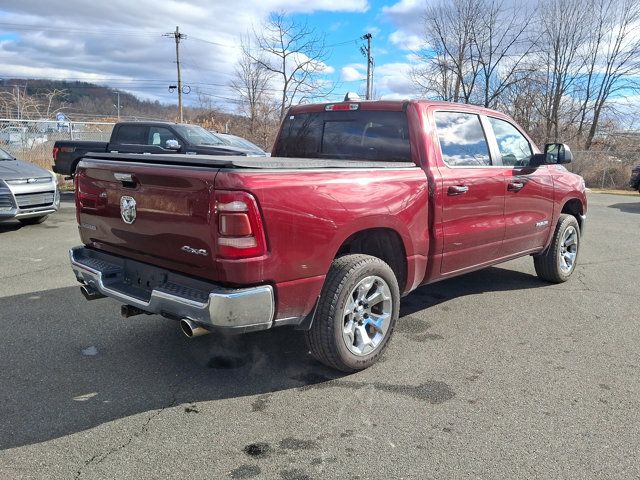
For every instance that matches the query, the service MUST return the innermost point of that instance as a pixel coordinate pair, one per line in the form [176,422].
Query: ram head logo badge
[128,209]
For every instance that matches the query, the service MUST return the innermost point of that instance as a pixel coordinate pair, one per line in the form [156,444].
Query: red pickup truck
[361,203]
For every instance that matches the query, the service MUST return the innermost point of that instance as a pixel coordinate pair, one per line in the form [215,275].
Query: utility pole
[366,51]
[18,97]
[118,105]
[178,36]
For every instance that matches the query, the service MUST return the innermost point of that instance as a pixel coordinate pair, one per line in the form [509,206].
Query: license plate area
[142,278]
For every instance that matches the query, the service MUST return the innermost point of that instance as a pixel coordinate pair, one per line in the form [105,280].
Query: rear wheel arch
[383,243]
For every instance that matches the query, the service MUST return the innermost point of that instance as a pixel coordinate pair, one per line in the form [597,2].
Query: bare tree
[451,66]
[252,83]
[612,60]
[295,55]
[22,104]
[564,32]
[503,45]
[477,49]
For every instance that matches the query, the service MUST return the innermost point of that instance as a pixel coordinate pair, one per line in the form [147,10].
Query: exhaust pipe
[90,293]
[191,329]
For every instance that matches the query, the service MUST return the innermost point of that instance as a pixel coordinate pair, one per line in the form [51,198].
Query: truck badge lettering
[128,209]
[195,251]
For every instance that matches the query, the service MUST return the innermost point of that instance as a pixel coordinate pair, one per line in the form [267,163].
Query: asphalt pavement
[495,374]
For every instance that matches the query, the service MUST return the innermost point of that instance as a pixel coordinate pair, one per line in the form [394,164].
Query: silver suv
[27,192]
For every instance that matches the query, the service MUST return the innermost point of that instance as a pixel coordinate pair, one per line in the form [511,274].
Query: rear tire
[356,314]
[558,261]
[33,220]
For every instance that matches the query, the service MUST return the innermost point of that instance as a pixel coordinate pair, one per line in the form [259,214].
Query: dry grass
[614,191]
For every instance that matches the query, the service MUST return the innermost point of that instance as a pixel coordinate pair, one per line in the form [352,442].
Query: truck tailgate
[155,214]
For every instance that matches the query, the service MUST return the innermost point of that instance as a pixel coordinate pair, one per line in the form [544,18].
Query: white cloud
[372,30]
[297,6]
[404,7]
[353,72]
[406,41]
[120,42]
[408,18]
[392,81]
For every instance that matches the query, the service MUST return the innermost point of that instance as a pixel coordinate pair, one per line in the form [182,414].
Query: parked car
[240,142]
[21,137]
[144,137]
[361,203]
[27,192]
[634,181]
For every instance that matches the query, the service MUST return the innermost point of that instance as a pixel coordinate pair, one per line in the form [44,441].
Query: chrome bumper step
[157,290]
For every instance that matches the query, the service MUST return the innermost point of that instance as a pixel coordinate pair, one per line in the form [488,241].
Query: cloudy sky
[119,43]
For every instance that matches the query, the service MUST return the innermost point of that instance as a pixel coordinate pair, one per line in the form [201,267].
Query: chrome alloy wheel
[568,249]
[367,315]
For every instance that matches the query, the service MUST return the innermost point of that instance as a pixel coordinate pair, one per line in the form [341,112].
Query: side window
[132,135]
[158,136]
[462,140]
[513,146]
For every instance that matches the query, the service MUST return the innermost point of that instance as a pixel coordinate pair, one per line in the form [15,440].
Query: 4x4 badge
[128,209]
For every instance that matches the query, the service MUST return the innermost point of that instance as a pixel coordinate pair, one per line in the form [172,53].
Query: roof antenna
[351,97]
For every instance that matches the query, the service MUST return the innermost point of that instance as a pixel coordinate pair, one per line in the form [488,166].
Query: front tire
[558,261]
[356,314]
[33,220]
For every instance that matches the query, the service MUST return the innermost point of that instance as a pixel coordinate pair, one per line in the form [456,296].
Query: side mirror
[172,145]
[554,154]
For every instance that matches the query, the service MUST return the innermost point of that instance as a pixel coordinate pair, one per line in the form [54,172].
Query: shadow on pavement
[633,207]
[10,226]
[70,365]
[492,279]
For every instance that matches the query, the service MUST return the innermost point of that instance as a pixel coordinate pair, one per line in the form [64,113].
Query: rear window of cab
[349,135]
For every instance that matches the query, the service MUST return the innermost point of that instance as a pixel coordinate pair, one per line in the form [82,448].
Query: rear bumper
[156,290]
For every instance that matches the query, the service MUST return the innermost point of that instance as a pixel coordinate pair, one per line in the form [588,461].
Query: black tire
[548,263]
[325,338]
[33,220]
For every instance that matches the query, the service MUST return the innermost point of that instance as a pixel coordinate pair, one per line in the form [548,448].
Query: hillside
[83,101]
[78,100]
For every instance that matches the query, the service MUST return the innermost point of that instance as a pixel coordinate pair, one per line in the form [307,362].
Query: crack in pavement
[99,458]
[21,274]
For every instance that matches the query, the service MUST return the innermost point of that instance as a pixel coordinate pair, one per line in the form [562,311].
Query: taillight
[239,223]
[55,153]
[77,197]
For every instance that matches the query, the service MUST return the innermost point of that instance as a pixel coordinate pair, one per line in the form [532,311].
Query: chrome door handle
[515,186]
[457,189]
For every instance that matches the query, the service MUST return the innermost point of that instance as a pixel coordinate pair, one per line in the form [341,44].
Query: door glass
[513,146]
[462,140]
[158,136]
[132,135]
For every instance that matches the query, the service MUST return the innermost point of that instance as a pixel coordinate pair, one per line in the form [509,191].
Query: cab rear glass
[348,135]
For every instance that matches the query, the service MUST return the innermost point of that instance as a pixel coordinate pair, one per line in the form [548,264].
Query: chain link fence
[601,169]
[32,140]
